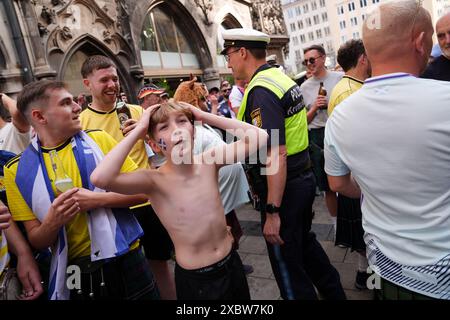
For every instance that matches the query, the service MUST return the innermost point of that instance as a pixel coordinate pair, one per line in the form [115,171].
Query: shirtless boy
[186,195]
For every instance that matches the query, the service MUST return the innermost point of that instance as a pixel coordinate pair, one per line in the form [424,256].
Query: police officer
[274,101]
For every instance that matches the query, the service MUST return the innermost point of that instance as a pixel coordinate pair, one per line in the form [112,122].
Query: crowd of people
[118,194]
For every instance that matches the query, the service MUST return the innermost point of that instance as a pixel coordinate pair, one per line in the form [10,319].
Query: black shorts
[156,241]
[223,280]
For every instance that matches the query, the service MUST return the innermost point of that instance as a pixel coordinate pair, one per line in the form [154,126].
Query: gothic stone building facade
[148,40]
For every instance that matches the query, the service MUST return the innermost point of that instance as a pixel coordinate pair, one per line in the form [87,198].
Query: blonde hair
[161,114]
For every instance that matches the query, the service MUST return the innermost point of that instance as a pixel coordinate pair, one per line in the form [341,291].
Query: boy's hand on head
[197,113]
[144,121]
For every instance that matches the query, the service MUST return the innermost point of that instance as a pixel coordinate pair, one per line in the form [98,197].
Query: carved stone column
[41,67]
[267,16]
[211,77]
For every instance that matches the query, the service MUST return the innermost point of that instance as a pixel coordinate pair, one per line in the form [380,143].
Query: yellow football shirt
[109,122]
[79,243]
[343,89]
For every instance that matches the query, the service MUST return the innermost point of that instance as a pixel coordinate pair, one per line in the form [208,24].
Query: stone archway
[71,65]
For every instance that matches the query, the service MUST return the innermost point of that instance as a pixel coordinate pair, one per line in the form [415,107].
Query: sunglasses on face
[310,60]
[226,90]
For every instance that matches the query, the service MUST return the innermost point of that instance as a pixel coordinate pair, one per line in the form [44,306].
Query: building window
[340,10]
[319,34]
[298,11]
[316,19]
[300,24]
[329,46]
[351,6]
[342,24]
[311,36]
[164,44]
[324,17]
[322,3]
[308,22]
[363,3]
[305,8]
[363,17]
[356,35]
[292,27]
[354,21]
[375,1]
[290,13]
[313,6]
[295,41]
[327,31]
[343,39]
[298,55]
[302,38]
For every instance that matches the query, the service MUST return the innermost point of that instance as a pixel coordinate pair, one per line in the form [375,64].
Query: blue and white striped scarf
[4,256]
[111,231]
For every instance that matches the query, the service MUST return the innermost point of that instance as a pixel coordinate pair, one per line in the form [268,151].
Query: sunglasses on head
[310,60]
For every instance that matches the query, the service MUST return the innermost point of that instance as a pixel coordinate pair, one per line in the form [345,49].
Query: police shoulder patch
[256,117]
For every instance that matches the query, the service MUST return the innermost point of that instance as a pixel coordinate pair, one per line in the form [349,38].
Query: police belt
[259,181]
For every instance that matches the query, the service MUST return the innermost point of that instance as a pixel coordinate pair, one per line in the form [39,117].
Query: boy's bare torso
[190,208]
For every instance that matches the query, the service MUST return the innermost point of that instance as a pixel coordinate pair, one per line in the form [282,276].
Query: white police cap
[244,37]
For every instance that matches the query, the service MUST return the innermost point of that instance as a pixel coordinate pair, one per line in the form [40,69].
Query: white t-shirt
[12,140]
[394,136]
[310,89]
[236,97]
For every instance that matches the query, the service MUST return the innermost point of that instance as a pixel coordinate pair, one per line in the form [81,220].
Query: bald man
[388,144]
[439,69]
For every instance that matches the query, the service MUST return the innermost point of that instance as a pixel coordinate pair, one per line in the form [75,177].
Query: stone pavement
[252,250]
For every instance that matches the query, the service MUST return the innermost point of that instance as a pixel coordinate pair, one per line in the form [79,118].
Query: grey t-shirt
[310,89]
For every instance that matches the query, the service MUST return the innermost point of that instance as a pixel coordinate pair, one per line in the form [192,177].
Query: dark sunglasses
[310,60]
[226,90]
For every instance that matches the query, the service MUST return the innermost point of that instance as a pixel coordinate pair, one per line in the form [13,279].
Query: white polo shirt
[394,136]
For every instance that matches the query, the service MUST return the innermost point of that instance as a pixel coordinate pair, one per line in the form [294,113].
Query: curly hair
[349,53]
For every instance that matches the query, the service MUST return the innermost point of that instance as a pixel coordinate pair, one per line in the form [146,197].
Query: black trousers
[301,263]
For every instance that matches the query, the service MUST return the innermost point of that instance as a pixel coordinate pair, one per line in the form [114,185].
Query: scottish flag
[111,231]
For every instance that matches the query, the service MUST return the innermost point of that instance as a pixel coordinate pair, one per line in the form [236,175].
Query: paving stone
[335,253]
[359,294]
[251,228]
[351,257]
[260,264]
[322,231]
[247,213]
[263,289]
[347,272]
[252,244]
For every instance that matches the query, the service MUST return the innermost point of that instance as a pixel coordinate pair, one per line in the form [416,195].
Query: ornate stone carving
[58,2]
[205,6]
[267,16]
[48,15]
[66,33]
[42,29]
[107,36]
